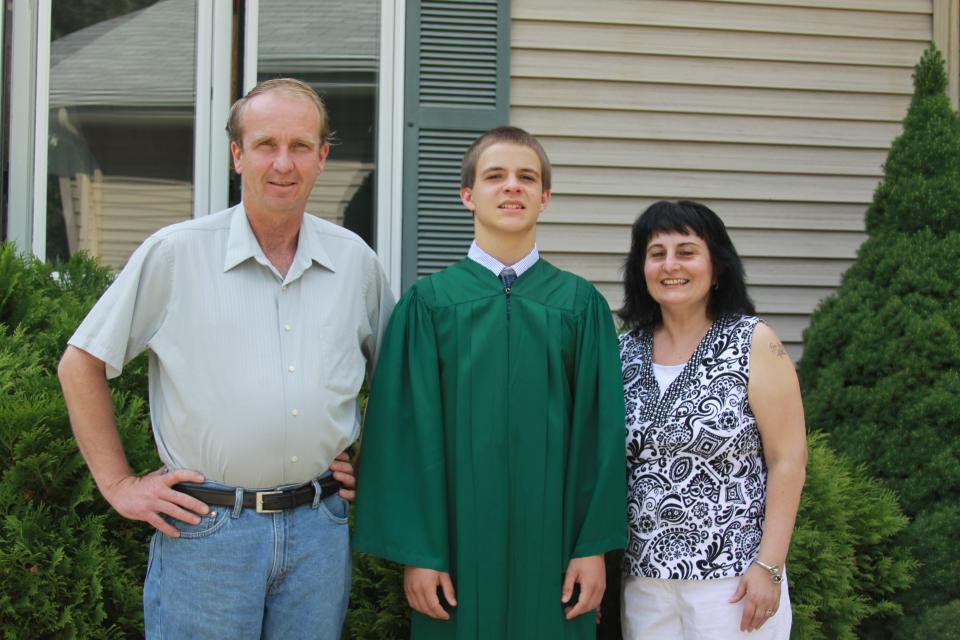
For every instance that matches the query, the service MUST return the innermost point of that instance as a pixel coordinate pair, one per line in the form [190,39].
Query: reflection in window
[121,123]
[333,46]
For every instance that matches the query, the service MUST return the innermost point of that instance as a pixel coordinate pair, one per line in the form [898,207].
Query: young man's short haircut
[288,86]
[511,135]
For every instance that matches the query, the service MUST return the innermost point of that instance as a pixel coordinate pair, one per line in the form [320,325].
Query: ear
[545,199]
[324,152]
[235,152]
[466,197]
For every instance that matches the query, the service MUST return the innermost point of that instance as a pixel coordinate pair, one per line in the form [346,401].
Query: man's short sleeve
[379,305]
[131,311]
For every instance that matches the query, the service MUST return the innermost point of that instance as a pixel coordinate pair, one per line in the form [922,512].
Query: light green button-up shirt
[253,377]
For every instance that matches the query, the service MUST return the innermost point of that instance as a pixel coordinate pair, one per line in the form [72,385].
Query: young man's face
[507,194]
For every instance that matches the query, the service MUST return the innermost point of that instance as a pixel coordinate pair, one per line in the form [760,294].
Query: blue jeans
[242,574]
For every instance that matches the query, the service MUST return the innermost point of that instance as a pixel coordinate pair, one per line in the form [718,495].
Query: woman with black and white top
[716,445]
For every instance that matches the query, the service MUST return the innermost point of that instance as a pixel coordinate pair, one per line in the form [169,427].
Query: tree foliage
[881,364]
[70,567]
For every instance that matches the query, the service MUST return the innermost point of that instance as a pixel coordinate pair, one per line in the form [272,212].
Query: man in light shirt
[260,322]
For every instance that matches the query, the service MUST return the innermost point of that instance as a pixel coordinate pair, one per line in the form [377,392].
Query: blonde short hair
[289,86]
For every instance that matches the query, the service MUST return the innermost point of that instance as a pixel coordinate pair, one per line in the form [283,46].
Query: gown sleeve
[596,476]
[401,512]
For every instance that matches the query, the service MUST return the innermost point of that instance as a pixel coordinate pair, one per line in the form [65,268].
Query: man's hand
[760,595]
[420,585]
[147,497]
[591,574]
[344,474]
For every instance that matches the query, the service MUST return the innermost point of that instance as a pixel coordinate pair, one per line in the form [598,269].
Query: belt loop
[317,492]
[237,502]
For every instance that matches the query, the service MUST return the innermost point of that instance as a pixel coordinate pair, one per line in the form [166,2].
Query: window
[116,111]
[333,46]
[121,123]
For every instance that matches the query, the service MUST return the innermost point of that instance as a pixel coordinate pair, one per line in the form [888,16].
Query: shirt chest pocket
[341,365]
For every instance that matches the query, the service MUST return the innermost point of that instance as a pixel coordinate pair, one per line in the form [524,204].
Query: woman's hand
[760,596]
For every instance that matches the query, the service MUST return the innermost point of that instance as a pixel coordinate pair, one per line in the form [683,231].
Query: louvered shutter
[457,79]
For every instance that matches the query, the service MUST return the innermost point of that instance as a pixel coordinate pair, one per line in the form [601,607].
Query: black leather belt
[263,501]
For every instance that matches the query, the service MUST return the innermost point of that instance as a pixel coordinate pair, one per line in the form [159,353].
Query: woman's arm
[774,395]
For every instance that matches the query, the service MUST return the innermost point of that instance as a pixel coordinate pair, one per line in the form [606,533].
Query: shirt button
[294,459]
[283,288]
[295,412]
[287,327]
[291,369]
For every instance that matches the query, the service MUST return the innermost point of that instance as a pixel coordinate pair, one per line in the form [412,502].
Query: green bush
[881,364]
[844,562]
[69,566]
[378,607]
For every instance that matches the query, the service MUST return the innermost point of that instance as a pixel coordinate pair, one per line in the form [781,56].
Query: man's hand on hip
[344,474]
[147,497]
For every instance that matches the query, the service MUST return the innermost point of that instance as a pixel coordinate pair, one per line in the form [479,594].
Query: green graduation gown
[493,447]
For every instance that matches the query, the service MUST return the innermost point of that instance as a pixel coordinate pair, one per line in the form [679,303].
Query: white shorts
[657,609]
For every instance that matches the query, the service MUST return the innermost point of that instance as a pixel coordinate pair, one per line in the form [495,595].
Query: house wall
[778,115]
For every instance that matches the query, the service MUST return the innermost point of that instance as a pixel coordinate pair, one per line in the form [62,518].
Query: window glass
[120,153]
[333,46]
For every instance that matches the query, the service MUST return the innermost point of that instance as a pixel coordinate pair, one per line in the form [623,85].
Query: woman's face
[678,270]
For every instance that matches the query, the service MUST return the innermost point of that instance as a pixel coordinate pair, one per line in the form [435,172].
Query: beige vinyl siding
[778,115]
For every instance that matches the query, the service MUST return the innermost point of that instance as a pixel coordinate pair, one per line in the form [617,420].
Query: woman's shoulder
[634,345]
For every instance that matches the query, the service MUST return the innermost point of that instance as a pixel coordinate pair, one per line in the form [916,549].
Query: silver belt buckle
[260,495]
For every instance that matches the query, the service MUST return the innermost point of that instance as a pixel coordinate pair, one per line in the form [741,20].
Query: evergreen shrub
[70,567]
[845,561]
[881,363]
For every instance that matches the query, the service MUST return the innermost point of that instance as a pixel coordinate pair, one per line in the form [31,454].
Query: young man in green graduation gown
[493,455]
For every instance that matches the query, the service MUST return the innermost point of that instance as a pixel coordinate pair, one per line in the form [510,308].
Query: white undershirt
[666,373]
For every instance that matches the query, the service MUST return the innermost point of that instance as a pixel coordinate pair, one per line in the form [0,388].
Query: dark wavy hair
[640,310]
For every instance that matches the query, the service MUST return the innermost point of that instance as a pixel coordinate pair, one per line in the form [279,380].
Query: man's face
[281,154]
[507,194]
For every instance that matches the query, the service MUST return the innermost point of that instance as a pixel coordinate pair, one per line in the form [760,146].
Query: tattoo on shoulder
[776,348]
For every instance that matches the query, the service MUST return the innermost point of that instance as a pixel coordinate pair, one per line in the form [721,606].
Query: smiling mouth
[512,206]
[672,281]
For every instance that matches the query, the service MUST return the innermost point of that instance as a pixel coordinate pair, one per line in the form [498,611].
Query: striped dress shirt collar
[484,259]
[242,245]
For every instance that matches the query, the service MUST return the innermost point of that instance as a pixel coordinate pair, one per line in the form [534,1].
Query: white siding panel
[655,154]
[678,98]
[777,114]
[703,127]
[537,63]
[712,184]
[894,6]
[728,44]
[732,17]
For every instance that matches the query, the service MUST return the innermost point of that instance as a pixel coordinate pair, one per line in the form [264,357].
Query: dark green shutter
[457,79]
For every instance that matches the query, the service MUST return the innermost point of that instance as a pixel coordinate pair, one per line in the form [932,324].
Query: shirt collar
[484,259]
[242,245]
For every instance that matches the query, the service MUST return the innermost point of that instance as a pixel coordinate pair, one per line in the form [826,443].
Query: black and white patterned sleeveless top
[695,468]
